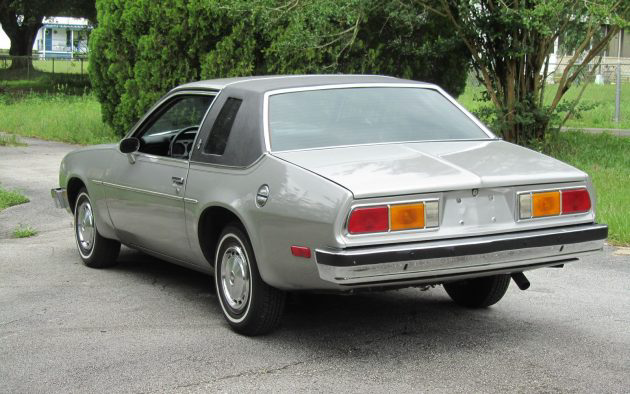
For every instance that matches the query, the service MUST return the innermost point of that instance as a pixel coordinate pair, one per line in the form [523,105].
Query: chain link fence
[33,67]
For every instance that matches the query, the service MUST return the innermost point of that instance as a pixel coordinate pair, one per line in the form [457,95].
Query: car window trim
[146,117]
[171,95]
[266,132]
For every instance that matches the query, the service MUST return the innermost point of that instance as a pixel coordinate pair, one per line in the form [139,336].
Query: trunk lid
[422,167]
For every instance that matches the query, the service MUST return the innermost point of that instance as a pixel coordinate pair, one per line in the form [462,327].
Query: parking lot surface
[147,326]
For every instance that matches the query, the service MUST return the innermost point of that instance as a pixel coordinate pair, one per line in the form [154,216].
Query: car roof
[262,84]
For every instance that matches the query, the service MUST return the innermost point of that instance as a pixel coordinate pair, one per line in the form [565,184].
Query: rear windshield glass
[350,116]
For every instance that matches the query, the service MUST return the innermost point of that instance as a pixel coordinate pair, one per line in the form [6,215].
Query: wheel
[95,250]
[478,292]
[249,305]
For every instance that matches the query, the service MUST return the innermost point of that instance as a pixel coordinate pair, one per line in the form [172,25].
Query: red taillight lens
[369,220]
[576,200]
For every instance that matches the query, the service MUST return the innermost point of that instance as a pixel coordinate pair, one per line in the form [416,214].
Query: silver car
[335,183]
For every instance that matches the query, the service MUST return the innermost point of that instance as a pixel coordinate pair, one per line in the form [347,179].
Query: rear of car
[436,197]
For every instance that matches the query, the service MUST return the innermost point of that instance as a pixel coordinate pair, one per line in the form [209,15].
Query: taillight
[407,216]
[545,204]
[553,203]
[369,220]
[394,217]
[575,201]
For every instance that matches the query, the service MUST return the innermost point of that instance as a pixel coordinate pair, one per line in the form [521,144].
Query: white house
[60,37]
[616,53]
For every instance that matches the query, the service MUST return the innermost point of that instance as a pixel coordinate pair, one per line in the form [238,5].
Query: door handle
[177,180]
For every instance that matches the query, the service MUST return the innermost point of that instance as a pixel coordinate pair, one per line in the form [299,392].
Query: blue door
[48,40]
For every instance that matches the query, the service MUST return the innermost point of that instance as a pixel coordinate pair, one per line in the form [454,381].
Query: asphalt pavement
[148,326]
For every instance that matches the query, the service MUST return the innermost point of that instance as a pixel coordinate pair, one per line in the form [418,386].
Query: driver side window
[178,118]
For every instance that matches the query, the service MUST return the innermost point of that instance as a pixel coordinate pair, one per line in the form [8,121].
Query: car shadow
[355,324]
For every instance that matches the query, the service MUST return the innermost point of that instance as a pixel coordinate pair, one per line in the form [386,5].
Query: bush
[142,49]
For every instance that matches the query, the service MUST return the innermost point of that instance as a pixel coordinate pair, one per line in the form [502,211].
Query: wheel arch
[74,185]
[212,221]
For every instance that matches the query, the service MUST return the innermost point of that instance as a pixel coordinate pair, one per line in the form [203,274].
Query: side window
[220,132]
[179,118]
[183,113]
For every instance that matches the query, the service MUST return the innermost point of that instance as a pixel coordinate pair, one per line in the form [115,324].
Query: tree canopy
[511,44]
[142,49]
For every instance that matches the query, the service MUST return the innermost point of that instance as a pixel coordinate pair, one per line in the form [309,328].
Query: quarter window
[220,132]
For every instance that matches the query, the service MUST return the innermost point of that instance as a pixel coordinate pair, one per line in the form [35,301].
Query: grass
[9,198]
[58,117]
[606,158]
[24,232]
[10,140]
[601,97]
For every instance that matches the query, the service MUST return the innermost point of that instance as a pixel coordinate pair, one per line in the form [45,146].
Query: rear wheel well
[74,185]
[211,222]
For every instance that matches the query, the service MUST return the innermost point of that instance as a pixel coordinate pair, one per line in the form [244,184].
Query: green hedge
[141,49]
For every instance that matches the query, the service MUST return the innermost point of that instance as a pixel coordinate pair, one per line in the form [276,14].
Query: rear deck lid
[422,167]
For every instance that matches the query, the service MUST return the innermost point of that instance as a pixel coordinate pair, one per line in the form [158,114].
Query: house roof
[262,84]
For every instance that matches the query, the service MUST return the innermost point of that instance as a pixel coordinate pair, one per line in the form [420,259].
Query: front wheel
[478,292]
[249,305]
[95,250]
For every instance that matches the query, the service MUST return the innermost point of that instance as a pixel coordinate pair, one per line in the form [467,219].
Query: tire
[250,306]
[95,250]
[478,292]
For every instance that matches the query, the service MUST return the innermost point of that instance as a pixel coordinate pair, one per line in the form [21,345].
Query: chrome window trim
[517,205]
[254,79]
[386,143]
[425,229]
[227,166]
[418,85]
[160,158]
[169,96]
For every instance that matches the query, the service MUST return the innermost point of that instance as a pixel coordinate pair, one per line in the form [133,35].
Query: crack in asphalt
[251,372]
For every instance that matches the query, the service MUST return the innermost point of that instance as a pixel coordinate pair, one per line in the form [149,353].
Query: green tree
[142,49]
[510,44]
[21,19]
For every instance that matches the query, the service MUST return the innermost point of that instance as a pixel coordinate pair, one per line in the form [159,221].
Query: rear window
[351,116]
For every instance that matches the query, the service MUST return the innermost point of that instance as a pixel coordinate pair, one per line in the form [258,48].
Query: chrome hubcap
[235,277]
[85,226]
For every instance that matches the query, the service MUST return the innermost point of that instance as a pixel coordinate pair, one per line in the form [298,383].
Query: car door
[145,193]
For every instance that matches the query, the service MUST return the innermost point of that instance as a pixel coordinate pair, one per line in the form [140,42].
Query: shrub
[142,49]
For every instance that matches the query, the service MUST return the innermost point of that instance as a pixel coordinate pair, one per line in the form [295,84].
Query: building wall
[5,43]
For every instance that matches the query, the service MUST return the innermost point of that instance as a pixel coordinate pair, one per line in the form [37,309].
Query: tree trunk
[21,36]
[22,46]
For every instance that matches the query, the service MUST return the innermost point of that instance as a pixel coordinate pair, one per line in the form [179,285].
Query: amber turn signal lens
[546,204]
[407,216]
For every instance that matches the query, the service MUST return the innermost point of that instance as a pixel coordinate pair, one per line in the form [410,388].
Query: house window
[68,38]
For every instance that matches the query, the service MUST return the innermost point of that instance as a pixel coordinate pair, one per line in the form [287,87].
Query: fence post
[28,67]
[81,65]
[53,70]
[618,94]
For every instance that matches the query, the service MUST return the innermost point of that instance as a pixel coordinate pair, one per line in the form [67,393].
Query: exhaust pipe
[520,280]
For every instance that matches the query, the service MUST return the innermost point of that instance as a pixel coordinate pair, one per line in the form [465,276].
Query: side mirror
[129,145]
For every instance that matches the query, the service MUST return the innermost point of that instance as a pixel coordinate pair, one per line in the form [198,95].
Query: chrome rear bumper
[453,259]
[60,198]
